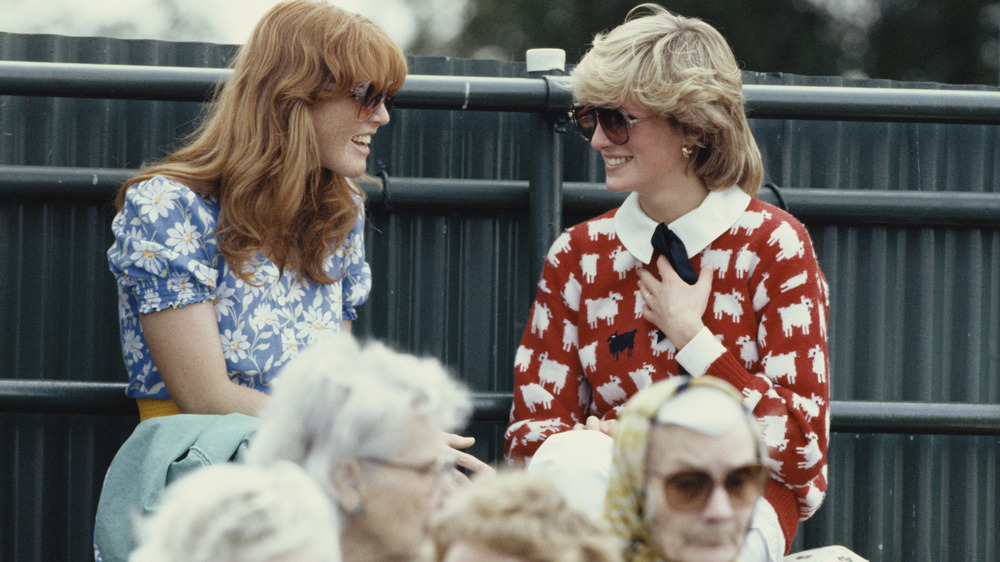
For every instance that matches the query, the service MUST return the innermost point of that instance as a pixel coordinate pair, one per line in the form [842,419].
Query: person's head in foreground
[239,513]
[368,424]
[514,516]
[661,97]
[687,470]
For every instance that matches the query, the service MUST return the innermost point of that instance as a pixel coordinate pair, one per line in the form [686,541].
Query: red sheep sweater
[587,348]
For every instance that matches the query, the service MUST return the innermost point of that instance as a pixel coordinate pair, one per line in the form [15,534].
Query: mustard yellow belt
[154,408]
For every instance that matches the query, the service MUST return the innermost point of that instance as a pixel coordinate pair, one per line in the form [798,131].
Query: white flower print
[151,298]
[224,301]
[166,255]
[132,346]
[182,237]
[235,344]
[145,255]
[289,345]
[182,287]
[315,323]
[156,200]
[264,319]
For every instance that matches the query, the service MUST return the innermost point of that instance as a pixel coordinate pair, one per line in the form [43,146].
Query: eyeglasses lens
[368,100]
[614,122]
[689,490]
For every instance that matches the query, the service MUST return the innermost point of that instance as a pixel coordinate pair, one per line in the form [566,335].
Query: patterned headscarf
[624,504]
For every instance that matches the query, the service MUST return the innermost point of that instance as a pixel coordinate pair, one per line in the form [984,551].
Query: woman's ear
[347,480]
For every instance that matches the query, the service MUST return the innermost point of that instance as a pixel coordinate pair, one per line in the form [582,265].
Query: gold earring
[686,151]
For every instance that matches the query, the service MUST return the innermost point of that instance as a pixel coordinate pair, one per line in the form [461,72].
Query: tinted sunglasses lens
[585,121]
[746,484]
[688,490]
[615,124]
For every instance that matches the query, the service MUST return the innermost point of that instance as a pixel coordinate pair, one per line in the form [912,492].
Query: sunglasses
[368,100]
[615,122]
[689,490]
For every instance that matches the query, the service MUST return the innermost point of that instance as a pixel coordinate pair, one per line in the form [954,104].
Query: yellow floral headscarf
[624,503]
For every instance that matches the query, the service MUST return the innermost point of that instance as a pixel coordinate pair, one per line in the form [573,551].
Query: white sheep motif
[746,262]
[571,293]
[643,376]
[598,227]
[808,406]
[560,245]
[534,394]
[760,298]
[611,391]
[789,244]
[639,303]
[795,281]
[728,303]
[588,357]
[661,346]
[810,452]
[780,366]
[772,430]
[539,430]
[796,315]
[623,261]
[552,372]
[540,319]
[750,221]
[522,359]
[604,308]
[819,363]
[748,350]
[588,264]
[570,335]
[718,259]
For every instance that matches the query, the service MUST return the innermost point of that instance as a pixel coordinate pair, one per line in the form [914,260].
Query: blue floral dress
[166,254]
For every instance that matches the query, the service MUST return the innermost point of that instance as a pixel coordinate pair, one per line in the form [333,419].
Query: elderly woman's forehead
[672,447]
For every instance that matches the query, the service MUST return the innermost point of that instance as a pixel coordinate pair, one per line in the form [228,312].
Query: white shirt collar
[697,229]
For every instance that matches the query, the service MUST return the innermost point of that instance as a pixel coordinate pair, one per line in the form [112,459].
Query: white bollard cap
[544,60]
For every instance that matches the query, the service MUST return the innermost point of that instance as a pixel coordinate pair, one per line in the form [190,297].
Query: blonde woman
[690,275]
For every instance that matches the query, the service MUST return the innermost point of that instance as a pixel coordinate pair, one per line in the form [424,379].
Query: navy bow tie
[667,243]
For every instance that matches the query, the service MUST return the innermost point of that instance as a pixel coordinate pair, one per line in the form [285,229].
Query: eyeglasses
[615,122]
[368,100]
[689,490]
[435,468]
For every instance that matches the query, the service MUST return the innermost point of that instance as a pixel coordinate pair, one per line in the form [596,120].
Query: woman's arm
[187,349]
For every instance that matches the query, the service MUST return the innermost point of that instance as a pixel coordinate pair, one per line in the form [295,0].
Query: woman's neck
[668,204]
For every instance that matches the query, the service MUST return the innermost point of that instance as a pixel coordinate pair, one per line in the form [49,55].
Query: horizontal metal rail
[71,397]
[509,94]
[830,206]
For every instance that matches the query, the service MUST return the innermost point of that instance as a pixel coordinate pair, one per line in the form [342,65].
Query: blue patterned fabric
[165,255]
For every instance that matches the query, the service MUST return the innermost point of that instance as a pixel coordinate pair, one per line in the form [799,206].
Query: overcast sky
[215,21]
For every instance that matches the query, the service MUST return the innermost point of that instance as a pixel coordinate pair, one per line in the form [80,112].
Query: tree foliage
[952,41]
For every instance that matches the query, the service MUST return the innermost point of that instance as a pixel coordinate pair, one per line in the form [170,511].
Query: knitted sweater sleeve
[551,391]
[785,378]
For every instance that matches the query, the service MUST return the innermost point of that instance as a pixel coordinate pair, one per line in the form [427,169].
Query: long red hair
[256,150]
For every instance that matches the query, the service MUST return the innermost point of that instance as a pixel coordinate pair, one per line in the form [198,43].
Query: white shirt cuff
[700,352]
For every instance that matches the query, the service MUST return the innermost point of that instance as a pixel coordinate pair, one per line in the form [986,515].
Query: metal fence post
[545,182]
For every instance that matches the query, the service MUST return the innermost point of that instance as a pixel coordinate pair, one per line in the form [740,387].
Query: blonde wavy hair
[523,515]
[256,150]
[682,69]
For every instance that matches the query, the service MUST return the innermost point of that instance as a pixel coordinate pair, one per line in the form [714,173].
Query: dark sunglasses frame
[615,122]
[368,100]
[689,490]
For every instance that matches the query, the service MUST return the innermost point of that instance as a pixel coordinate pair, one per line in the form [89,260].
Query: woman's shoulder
[162,192]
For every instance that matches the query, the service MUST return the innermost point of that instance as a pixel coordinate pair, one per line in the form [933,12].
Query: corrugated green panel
[916,310]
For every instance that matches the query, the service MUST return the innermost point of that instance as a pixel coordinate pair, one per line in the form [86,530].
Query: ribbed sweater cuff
[783,501]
